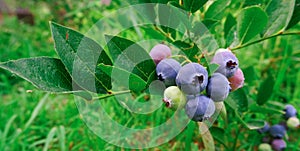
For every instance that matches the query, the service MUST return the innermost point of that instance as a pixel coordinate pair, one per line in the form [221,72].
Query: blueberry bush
[230,67]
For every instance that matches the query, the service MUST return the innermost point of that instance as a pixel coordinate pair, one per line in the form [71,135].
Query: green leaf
[124,78]
[232,39]
[167,16]
[248,3]
[47,74]
[147,11]
[170,17]
[229,24]
[250,22]
[238,100]
[251,124]
[296,15]
[254,108]
[218,134]
[212,68]
[189,50]
[80,55]
[193,5]
[210,23]
[130,56]
[265,90]
[255,124]
[250,74]
[280,13]
[217,9]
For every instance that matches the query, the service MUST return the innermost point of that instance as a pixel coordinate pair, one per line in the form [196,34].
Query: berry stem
[111,94]
[182,56]
[265,38]
[164,33]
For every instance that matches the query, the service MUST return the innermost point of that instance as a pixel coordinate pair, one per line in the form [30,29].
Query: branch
[111,94]
[265,38]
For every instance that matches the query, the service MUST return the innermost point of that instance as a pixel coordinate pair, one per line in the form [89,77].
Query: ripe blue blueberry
[174,98]
[290,111]
[160,52]
[264,129]
[167,70]
[227,61]
[199,108]
[277,131]
[192,78]
[218,87]
[278,144]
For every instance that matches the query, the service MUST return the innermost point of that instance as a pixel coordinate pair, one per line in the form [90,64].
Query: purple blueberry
[218,87]
[227,61]
[277,131]
[278,144]
[264,129]
[290,111]
[237,80]
[192,78]
[160,52]
[167,70]
[199,108]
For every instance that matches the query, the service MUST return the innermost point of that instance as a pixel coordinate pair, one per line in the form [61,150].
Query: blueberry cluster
[190,87]
[276,133]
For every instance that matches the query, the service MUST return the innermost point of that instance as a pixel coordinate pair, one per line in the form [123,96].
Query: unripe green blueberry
[174,98]
[293,123]
[264,147]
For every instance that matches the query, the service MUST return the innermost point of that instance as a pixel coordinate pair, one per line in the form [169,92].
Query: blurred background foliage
[35,120]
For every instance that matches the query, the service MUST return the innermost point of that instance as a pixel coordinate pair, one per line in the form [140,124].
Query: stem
[111,94]
[182,56]
[164,33]
[265,38]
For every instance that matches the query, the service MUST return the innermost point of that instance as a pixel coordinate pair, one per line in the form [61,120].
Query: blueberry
[264,147]
[160,52]
[264,129]
[290,111]
[167,70]
[278,144]
[277,131]
[218,87]
[227,61]
[199,108]
[237,80]
[174,98]
[293,123]
[192,78]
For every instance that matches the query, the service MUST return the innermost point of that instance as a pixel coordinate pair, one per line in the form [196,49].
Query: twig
[265,38]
